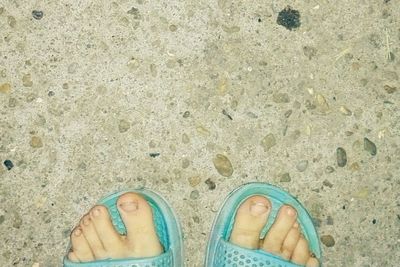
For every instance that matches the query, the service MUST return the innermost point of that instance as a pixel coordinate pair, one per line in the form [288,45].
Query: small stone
[173,28]
[11,21]
[328,240]
[390,89]
[309,51]
[322,104]
[280,98]
[348,133]
[355,166]
[185,138]
[36,142]
[27,80]
[344,110]
[135,12]
[329,220]
[374,221]
[186,114]
[285,178]
[185,163]
[9,164]
[268,142]
[5,88]
[341,157]
[123,126]
[329,169]
[51,93]
[210,183]
[302,165]
[17,222]
[194,180]
[288,113]
[36,14]
[194,194]
[223,165]
[196,219]
[289,18]
[2,219]
[369,146]
[154,155]
[327,183]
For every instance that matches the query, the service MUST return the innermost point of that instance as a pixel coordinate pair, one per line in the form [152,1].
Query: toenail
[129,206]
[77,232]
[258,208]
[86,221]
[96,212]
[290,211]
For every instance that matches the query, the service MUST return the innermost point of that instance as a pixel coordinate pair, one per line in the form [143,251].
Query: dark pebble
[8,163]
[369,146]
[37,14]
[327,183]
[374,221]
[50,93]
[186,114]
[341,157]
[153,155]
[226,114]
[194,194]
[2,219]
[328,240]
[210,183]
[289,18]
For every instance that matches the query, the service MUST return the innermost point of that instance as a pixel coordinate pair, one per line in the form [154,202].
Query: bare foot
[95,237]
[284,237]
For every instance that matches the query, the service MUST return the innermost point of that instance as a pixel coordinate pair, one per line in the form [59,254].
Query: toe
[108,236]
[250,218]
[72,257]
[284,222]
[290,243]
[312,262]
[89,231]
[137,216]
[301,253]
[80,246]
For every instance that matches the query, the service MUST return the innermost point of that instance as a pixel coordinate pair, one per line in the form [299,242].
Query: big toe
[276,236]
[137,216]
[250,218]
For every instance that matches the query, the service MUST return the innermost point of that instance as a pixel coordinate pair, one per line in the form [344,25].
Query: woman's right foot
[284,237]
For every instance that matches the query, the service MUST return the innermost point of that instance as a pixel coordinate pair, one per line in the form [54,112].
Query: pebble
[36,142]
[185,163]
[27,80]
[390,89]
[328,240]
[327,183]
[268,142]
[302,165]
[194,194]
[11,21]
[173,28]
[135,12]
[369,146]
[285,178]
[280,98]
[154,155]
[223,165]
[36,14]
[123,126]
[2,219]
[321,103]
[345,111]
[9,164]
[194,180]
[289,18]
[329,169]
[341,157]
[186,114]
[210,183]
[185,138]
[5,88]
[288,113]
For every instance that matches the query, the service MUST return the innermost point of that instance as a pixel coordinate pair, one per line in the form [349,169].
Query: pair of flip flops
[220,253]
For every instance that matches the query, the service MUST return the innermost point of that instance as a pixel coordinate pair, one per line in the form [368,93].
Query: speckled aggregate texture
[192,99]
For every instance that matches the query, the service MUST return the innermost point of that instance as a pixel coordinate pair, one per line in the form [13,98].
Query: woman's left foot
[95,237]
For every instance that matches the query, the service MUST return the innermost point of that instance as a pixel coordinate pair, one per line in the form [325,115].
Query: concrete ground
[193,99]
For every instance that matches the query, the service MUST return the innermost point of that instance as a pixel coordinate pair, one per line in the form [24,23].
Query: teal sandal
[221,253]
[168,231]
